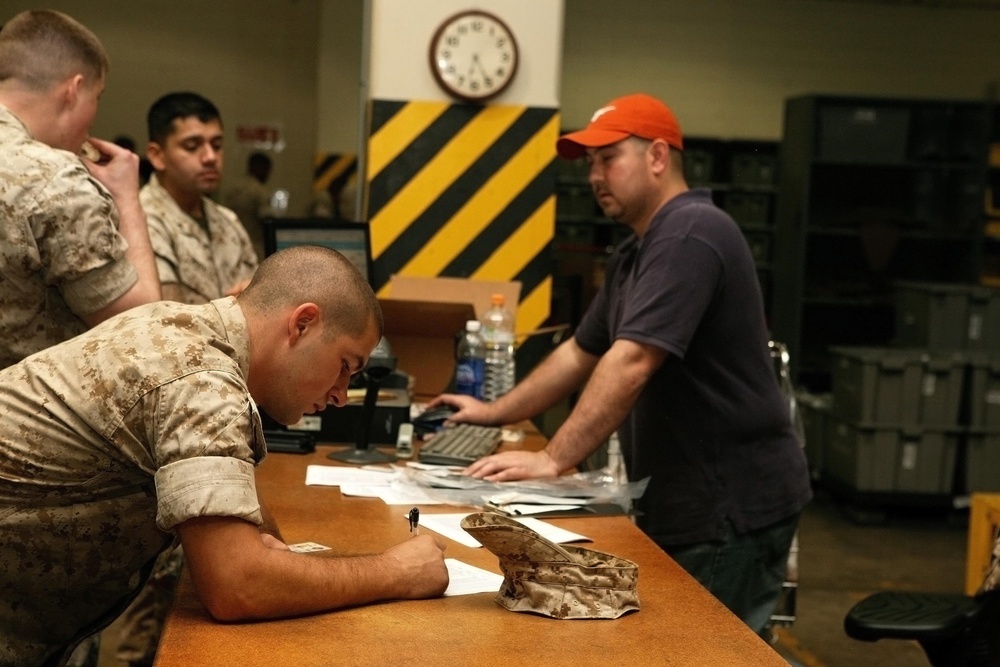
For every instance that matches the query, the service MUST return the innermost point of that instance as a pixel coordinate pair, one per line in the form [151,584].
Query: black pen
[415,521]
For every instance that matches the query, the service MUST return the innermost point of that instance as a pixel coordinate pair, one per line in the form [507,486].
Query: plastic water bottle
[470,367]
[498,337]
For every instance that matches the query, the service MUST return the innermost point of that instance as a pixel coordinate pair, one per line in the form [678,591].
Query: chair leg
[952,652]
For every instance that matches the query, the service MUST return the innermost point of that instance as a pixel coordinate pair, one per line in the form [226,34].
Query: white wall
[402,32]
[725,66]
[339,75]
[255,59]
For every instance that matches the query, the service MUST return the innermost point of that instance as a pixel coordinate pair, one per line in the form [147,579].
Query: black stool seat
[904,615]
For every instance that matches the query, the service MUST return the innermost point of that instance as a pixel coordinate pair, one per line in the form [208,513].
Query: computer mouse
[433,419]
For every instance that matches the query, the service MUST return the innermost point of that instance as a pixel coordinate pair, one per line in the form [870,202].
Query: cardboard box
[423,316]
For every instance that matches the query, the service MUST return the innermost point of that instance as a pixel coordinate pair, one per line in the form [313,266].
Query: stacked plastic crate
[894,424]
[966,317]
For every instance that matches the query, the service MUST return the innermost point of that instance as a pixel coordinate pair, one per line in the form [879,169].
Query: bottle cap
[497,299]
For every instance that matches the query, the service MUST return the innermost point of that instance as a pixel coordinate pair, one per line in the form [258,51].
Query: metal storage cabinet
[871,191]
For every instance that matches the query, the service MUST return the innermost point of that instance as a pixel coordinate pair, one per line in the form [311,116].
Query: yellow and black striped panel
[331,171]
[464,191]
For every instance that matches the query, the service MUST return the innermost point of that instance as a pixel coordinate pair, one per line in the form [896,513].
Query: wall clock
[473,56]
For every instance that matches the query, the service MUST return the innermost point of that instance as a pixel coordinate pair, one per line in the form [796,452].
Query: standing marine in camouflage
[145,430]
[202,250]
[74,249]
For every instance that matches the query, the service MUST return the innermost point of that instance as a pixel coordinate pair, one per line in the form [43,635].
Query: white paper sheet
[465,579]
[340,475]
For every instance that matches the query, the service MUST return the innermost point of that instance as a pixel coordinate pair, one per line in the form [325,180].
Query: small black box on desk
[340,425]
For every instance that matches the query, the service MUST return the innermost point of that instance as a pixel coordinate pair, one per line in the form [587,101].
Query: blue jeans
[745,572]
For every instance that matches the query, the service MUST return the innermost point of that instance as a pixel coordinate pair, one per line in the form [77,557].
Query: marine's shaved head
[319,275]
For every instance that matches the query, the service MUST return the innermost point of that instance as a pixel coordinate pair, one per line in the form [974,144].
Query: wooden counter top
[679,622]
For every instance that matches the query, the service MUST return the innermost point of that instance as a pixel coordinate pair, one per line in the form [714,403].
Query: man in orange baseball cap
[672,354]
[637,115]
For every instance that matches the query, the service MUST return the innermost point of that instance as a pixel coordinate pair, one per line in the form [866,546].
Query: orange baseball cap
[638,115]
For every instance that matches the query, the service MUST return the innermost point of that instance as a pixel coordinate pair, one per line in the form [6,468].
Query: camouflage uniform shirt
[204,261]
[61,255]
[107,442]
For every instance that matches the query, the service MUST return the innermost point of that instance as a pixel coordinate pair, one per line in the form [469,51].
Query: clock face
[473,56]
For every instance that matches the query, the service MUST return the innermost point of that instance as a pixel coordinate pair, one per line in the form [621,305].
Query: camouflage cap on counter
[554,580]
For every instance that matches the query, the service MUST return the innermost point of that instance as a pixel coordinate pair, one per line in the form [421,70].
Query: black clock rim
[474,99]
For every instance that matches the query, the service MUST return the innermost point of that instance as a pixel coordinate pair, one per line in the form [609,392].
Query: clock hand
[475,59]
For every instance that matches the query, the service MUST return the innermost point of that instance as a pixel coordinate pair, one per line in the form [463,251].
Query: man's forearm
[238,578]
[613,389]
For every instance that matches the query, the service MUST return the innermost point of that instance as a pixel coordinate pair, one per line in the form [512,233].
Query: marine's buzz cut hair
[40,48]
[170,107]
[320,275]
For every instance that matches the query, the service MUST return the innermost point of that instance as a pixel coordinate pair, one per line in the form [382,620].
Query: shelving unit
[583,242]
[872,191]
[743,177]
[991,241]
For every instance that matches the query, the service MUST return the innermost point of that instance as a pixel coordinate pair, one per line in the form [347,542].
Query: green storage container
[814,410]
[897,386]
[982,461]
[983,332]
[898,460]
[947,316]
[984,391]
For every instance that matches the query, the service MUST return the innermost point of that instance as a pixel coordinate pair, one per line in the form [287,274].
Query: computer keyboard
[460,445]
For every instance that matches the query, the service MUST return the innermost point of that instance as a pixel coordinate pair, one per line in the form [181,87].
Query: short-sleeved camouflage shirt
[61,255]
[107,442]
[203,262]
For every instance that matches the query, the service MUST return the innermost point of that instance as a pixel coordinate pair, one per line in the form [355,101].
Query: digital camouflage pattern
[203,261]
[107,442]
[551,579]
[61,255]
[992,579]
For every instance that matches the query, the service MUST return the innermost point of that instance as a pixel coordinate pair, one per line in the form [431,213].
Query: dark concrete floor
[841,561]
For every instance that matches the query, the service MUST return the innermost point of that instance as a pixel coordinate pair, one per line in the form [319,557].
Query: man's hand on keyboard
[509,466]
[470,409]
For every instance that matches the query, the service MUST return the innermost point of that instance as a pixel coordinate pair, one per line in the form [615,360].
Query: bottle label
[469,374]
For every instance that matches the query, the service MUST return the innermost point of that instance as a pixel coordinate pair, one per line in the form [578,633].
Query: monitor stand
[362,452]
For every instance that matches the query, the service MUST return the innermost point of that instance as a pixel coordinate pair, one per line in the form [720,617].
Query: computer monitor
[350,239]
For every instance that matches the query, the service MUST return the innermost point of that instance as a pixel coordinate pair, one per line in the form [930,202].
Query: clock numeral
[452,41]
[501,42]
[477,26]
[462,29]
[473,85]
[505,57]
[500,72]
